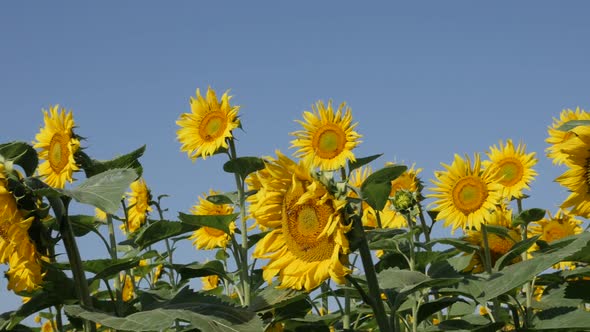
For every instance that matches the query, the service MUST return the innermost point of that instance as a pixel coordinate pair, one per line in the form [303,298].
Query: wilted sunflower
[138,206]
[465,195]
[205,130]
[209,237]
[576,178]
[498,244]
[307,242]
[58,145]
[557,137]
[327,138]
[514,167]
[554,228]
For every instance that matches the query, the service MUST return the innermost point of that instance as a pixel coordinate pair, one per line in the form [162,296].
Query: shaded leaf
[515,252]
[376,188]
[22,154]
[528,216]
[225,198]
[435,306]
[273,297]
[93,167]
[196,270]
[220,222]
[360,162]
[244,166]
[160,230]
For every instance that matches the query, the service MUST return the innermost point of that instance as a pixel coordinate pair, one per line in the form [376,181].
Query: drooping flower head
[138,206]
[557,137]
[465,195]
[553,228]
[209,237]
[327,138]
[206,128]
[514,167]
[307,242]
[58,146]
[576,178]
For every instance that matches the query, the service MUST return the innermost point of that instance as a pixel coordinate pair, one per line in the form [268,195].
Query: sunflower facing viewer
[327,138]
[205,130]
[58,145]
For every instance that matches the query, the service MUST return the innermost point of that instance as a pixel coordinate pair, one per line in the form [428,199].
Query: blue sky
[424,80]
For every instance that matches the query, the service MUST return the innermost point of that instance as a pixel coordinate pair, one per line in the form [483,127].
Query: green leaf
[254,238]
[398,279]
[516,250]
[562,319]
[225,198]
[272,297]
[106,268]
[93,167]
[220,222]
[160,230]
[207,313]
[376,188]
[450,267]
[457,243]
[360,162]
[528,216]
[435,306]
[81,224]
[21,154]
[244,166]
[573,124]
[196,270]
[104,190]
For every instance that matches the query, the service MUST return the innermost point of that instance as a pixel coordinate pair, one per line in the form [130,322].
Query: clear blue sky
[424,80]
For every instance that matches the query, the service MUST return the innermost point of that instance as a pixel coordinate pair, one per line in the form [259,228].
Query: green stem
[371,275]
[346,318]
[527,287]
[242,199]
[60,208]
[168,248]
[410,240]
[113,253]
[488,265]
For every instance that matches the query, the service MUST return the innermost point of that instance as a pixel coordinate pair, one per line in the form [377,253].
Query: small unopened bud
[403,200]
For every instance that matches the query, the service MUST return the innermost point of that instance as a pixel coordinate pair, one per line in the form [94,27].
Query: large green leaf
[376,188]
[220,222]
[196,270]
[244,166]
[528,216]
[21,154]
[514,252]
[93,167]
[272,297]
[207,313]
[435,306]
[104,190]
[360,162]
[160,230]
[562,319]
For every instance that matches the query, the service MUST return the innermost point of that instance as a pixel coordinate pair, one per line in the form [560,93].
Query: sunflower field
[318,240]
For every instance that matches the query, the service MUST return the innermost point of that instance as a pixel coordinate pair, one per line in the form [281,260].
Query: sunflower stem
[113,253]
[488,265]
[374,290]
[168,248]
[242,199]
[527,287]
[60,208]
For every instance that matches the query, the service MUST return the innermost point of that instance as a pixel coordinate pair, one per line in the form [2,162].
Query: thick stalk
[346,318]
[488,265]
[113,253]
[60,207]
[168,249]
[242,200]
[528,291]
[371,275]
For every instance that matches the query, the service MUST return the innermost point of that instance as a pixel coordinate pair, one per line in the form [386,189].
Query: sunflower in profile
[465,195]
[209,237]
[514,167]
[210,282]
[128,291]
[58,145]
[327,138]
[307,242]
[206,129]
[138,206]
[498,244]
[576,178]
[557,137]
[553,228]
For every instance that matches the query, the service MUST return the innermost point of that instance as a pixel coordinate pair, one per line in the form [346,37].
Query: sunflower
[557,137]
[327,139]
[210,282]
[209,237]
[58,145]
[498,244]
[465,195]
[138,202]
[556,227]
[127,293]
[514,167]
[307,242]
[100,214]
[205,130]
[576,178]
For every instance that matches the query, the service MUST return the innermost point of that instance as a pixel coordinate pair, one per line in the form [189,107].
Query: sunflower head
[576,179]
[138,202]
[498,244]
[327,138]
[557,137]
[58,145]
[307,242]
[209,237]
[210,282]
[207,127]
[465,196]
[514,167]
